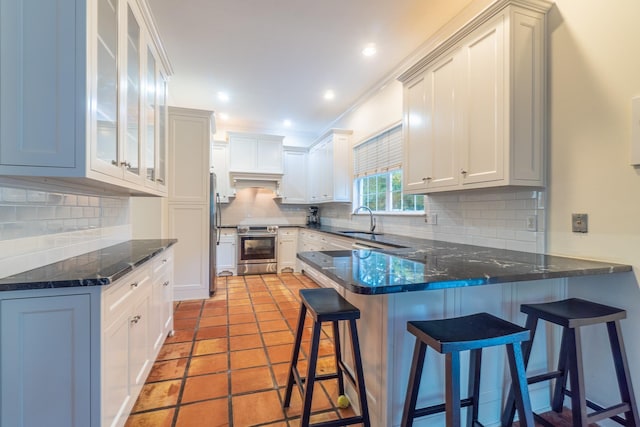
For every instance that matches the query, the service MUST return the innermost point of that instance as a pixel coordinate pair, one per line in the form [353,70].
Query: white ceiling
[276,58]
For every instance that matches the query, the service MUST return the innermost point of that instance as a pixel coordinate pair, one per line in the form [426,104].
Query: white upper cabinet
[219,165]
[83,93]
[254,153]
[330,168]
[294,181]
[474,107]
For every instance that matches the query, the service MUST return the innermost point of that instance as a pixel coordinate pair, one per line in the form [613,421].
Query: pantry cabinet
[474,107]
[294,180]
[92,73]
[330,167]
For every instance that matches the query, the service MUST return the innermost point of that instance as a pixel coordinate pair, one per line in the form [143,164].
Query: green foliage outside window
[383,193]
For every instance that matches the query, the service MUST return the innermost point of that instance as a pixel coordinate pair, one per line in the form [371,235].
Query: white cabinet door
[255,153]
[287,249]
[219,161]
[294,180]
[189,145]
[416,167]
[315,166]
[190,225]
[483,142]
[226,264]
[117,392]
[33,87]
[57,393]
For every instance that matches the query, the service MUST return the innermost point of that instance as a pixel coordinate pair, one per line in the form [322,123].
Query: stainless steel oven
[257,247]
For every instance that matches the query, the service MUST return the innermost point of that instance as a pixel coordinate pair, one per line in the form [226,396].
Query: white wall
[594,72]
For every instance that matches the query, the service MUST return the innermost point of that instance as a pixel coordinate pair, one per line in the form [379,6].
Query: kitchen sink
[361,232]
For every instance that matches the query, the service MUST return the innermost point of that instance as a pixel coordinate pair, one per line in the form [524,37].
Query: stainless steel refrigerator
[215,218]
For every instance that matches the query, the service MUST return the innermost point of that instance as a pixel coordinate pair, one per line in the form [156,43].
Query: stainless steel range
[257,249]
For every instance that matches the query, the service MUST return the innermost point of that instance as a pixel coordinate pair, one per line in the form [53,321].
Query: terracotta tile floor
[226,364]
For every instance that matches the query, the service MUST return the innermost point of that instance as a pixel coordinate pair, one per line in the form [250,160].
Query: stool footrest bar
[544,377]
[436,409]
[340,422]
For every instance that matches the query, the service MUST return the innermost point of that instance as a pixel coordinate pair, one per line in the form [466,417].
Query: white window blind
[380,154]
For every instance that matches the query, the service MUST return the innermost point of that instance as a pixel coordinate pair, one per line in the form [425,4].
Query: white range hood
[268,181]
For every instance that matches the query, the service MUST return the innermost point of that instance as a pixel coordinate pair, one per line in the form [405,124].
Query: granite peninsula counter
[431,279]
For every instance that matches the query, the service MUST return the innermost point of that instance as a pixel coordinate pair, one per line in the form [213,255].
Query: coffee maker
[313,217]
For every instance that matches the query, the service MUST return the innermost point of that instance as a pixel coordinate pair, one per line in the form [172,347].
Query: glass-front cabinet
[83,86]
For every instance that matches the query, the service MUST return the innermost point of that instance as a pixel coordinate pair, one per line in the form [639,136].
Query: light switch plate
[580,223]
[635,131]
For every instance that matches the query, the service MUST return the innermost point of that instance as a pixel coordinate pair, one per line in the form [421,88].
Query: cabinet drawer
[124,290]
[162,262]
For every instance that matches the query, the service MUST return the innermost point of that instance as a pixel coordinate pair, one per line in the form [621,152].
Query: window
[378,174]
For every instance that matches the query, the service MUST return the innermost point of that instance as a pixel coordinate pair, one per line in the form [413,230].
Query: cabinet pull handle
[135,319]
[160,180]
[463,172]
[164,260]
[134,285]
[166,283]
[125,164]
[114,163]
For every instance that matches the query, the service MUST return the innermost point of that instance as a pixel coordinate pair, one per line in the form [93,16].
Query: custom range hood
[267,181]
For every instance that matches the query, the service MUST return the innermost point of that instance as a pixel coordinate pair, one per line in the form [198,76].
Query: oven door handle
[257,235]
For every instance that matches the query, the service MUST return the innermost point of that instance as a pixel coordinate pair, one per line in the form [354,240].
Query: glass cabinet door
[132,137]
[150,118]
[107,84]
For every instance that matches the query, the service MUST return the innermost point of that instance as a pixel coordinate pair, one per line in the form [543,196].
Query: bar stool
[452,336]
[326,305]
[572,314]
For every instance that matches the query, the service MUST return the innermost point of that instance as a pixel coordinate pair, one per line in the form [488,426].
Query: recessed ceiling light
[223,96]
[328,95]
[369,50]
[287,123]
[223,116]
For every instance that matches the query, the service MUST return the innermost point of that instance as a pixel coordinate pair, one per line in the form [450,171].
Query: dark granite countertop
[428,264]
[96,268]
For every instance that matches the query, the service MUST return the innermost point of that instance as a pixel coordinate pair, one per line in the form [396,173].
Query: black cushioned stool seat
[572,314]
[326,305]
[450,337]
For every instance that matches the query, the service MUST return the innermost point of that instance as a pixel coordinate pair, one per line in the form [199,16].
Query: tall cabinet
[474,107]
[92,73]
[190,134]
[330,159]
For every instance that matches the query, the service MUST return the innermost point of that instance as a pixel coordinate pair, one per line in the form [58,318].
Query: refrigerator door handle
[218,218]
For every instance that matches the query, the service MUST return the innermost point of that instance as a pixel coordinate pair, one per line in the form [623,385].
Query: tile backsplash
[256,206]
[40,226]
[498,218]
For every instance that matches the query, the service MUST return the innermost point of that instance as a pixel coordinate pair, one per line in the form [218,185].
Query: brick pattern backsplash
[495,218]
[38,227]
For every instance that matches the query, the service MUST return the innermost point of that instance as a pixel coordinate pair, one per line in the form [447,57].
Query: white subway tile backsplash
[38,227]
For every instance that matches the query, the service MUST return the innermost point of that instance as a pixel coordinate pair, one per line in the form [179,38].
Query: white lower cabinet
[45,361]
[287,250]
[226,264]
[80,356]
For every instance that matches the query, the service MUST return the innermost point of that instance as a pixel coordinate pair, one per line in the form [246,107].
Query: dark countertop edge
[91,281]
[459,283]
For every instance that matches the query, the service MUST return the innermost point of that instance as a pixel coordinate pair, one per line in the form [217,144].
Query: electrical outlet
[580,223]
[532,223]
[431,218]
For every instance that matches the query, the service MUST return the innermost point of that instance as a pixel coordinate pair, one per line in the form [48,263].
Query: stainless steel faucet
[372,220]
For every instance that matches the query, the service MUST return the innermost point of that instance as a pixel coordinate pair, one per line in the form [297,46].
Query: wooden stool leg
[519,381]
[294,357]
[452,389]
[622,372]
[357,360]
[563,365]
[311,375]
[576,377]
[510,405]
[413,387]
[338,356]
[475,362]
